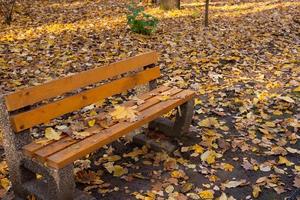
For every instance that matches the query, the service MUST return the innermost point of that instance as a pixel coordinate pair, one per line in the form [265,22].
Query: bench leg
[182,122]
[175,129]
[54,184]
[12,144]
[184,118]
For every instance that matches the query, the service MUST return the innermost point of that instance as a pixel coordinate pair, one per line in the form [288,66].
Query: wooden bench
[22,110]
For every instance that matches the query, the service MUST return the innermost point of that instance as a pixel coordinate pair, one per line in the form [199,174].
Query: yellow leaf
[164,98]
[178,174]
[3,167]
[201,91]
[93,113]
[5,183]
[227,167]
[122,113]
[277,112]
[51,134]
[284,160]
[209,122]
[297,168]
[198,101]
[270,124]
[209,156]
[297,89]
[224,128]
[206,194]
[213,178]
[92,123]
[39,177]
[198,149]
[256,191]
[119,170]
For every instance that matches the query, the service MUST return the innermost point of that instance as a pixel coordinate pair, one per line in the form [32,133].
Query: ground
[244,140]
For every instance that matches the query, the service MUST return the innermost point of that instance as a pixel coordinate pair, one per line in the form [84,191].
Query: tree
[206,13]
[170,4]
[6,10]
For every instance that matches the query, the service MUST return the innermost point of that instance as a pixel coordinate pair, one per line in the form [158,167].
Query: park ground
[244,141]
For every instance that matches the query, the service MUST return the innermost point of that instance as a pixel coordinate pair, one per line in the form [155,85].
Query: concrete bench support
[54,184]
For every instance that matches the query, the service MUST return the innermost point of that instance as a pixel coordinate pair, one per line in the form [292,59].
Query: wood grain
[88,145]
[41,151]
[32,95]
[49,111]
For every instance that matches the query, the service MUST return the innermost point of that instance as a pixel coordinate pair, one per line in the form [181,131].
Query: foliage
[245,71]
[6,10]
[139,21]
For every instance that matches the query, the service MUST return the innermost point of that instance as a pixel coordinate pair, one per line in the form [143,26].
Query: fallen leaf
[287,99]
[81,135]
[206,194]
[197,148]
[297,181]
[91,123]
[209,122]
[209,156]
[297,89]
[119,170]
[124,113]
[256,190]
[164,97]
[227,167]
[51,134]
[178,174]
[5,183]
[284,160]
[233,184]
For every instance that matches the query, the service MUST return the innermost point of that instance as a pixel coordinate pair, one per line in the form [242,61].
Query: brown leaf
[297,181]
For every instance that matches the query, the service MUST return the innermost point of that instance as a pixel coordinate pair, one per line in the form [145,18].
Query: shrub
[139,21]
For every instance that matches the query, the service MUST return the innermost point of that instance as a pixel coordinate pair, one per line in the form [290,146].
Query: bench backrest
[45,112]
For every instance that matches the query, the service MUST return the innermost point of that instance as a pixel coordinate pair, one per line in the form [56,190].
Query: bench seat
[60,153]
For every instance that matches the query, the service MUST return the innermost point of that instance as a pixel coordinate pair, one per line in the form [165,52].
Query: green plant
[139,21]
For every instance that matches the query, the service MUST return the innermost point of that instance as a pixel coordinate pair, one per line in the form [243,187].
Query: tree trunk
[6,10]
[206,13]
[170,4]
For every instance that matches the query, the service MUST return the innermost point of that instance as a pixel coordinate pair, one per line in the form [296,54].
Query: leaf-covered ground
[245,68]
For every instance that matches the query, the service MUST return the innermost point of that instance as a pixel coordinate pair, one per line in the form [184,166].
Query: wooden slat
[57,87]
[156,99]
[32,148]
[44,151]
[49,111]
[106,136]
[55,147]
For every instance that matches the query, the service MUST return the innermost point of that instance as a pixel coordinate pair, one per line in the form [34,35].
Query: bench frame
[59,184]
